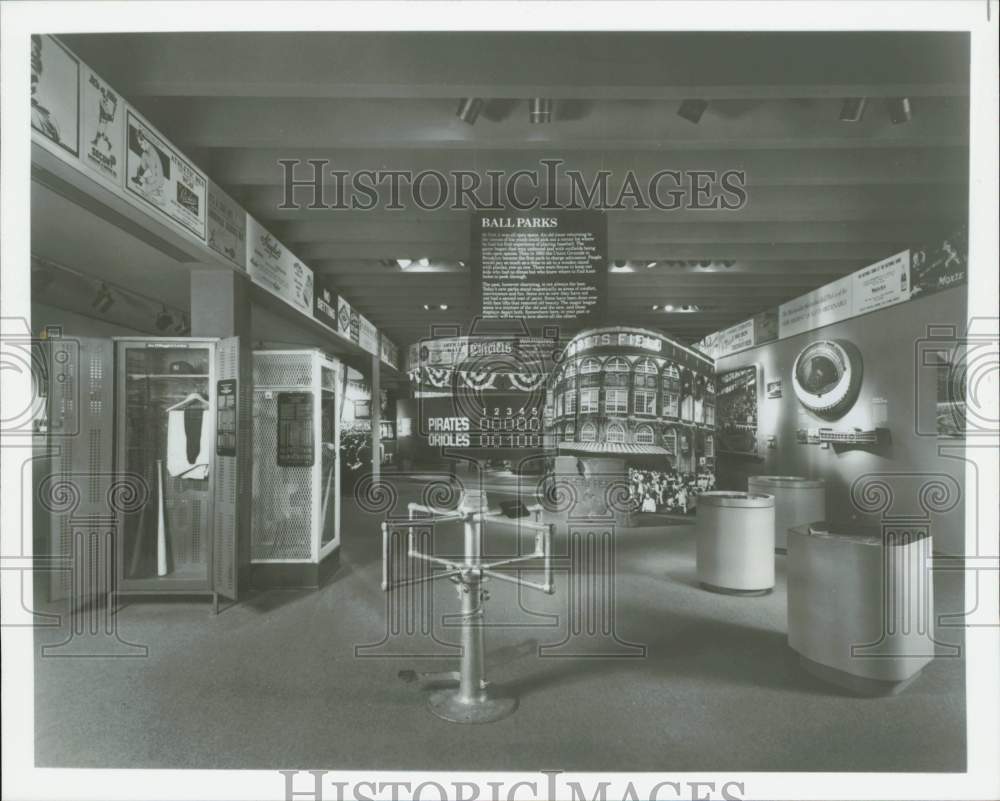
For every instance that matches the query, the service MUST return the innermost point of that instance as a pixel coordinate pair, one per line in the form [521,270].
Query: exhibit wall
[899,394]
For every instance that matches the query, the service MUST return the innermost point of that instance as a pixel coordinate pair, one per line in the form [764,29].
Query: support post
[376,416]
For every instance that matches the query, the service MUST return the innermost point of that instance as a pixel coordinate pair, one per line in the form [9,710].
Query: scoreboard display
[500,422]
[483,396]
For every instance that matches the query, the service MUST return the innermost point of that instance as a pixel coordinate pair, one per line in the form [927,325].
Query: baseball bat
[161,524]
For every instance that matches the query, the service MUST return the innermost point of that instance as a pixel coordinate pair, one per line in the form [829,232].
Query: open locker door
[230,556]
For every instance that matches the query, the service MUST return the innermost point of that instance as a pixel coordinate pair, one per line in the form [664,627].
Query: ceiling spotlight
[164,319]
[468,109]
[104,300]
[692,109]
[656,307]
[650,265]
[427,307]
[899,110]
[853,109]
[668,308]
[540,110]
[404,264]
[443,306]
[423,262]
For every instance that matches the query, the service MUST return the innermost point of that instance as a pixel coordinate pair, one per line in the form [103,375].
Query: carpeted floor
[305,679]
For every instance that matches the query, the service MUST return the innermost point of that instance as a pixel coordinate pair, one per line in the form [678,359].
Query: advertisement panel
[325,302]
[828,304]
[884,283]
[103,129]
[367,335]
[158,175]
[227,226]
[55,94]
[274,267]
[344,316]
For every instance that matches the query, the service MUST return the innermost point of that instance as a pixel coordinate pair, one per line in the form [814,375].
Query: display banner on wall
[274,267]
[227,226]
[884,283]
[828,304]
[550,266]
[325,302]
[390,352]
[367,335]
[103,129]
[55,94]
[158,175]
[343,317]
[940,266]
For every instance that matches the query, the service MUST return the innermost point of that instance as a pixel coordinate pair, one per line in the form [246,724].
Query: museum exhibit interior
[585,386]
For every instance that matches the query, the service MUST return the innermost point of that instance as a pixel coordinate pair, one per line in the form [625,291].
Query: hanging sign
[227,226]
[103,129]
[159,176]
[367,335]
[55,94]
[544,266]
[274,267]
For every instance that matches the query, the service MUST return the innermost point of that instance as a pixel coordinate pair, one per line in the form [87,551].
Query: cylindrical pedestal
[735,533]
[861,605]
[797,501]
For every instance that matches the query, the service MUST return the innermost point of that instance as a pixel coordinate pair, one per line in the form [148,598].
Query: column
[376,414]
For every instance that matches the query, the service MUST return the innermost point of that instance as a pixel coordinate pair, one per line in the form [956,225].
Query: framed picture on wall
[736,410]
[774,388]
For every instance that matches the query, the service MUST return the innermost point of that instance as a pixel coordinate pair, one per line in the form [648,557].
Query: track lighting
[540,110]
[404,263]
[423,262]
[443,306]
[104,300]
[899,110]
[468,109]
[692,109]
[853,109]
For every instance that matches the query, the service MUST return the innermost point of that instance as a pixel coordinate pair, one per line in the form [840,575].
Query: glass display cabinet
[175,424]
[296,467]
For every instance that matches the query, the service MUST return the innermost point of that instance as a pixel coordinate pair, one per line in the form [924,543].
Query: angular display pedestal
[861,606]
[735,534]
[797,501]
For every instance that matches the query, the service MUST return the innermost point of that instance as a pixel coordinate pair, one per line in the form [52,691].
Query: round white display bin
[797,501]
[736,542]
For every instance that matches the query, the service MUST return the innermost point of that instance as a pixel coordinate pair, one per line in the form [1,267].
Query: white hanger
[191,398]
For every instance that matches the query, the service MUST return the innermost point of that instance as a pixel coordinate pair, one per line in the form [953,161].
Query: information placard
[828,304]
[540,266]
[325,302]
[367,334]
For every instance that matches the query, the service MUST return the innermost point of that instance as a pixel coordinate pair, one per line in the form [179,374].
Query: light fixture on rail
[404,264]
[900,110]
[104,299]
[853,109]
[692,109]
[468,109]
[540,110]
[164,319]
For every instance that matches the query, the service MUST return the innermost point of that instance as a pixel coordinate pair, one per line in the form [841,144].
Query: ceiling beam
[660,65]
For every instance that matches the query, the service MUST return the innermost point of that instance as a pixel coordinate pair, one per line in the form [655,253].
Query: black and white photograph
[500,401]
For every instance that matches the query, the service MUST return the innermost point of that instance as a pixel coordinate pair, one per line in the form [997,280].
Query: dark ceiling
[825,197]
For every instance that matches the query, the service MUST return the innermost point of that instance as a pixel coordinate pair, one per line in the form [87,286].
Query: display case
[176,418]
[296,467]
